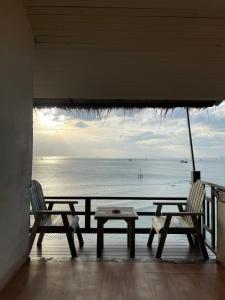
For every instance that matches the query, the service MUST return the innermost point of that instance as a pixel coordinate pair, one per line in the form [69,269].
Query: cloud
[144,133]
[81,124]
[146,136]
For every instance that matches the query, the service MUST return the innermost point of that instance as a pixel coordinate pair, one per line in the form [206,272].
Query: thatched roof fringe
[125,104]
[102,108]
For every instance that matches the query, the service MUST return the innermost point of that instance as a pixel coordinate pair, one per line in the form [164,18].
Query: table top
[107,212]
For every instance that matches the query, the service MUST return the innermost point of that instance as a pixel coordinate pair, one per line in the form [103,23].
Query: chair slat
[37,196]
[195,198]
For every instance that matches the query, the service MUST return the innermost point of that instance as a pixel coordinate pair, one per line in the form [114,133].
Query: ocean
[67,176]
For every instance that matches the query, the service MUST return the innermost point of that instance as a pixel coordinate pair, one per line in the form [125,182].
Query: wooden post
[87,213]
[196,175]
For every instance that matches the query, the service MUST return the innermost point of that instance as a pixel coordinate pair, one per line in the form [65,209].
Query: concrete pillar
[16,47]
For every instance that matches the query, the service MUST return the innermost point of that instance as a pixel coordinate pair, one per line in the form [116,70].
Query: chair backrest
[196,197]
[36,196]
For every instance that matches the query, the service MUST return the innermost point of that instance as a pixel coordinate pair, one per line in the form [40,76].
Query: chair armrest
[50,212]
[169,203]
[61,201]
[182,214]
[161,203]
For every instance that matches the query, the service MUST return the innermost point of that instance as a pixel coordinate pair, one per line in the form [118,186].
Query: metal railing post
[213,218]
[87,213]
[203,219]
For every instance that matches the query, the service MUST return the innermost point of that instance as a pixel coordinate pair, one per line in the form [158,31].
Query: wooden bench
[47,220]
[184,221]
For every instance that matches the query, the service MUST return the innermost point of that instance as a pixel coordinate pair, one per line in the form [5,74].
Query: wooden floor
[56,248]
[51,274]
[72,280]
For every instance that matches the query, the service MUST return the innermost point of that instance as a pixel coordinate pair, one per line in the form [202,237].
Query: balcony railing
[210,209]
[208,221]
[88,212]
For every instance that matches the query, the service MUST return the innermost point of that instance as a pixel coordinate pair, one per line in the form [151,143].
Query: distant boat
[140,175]
[183,161]
[130,159]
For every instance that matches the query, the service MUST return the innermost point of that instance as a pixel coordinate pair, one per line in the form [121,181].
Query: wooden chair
[185,221]
[47,220]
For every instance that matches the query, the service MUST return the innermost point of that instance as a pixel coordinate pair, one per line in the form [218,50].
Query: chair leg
[70,240]
[34,231]
[200,238]
[202,246]
[190,240]
[163,237]
[69,235]
[40,239]
[151,237]
[161,245]
[79,236]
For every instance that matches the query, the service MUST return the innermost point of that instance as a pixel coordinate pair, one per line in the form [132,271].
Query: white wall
[16,45]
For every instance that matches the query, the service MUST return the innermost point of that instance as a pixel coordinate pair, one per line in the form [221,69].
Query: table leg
[131,226]
[128,235]
[100,237]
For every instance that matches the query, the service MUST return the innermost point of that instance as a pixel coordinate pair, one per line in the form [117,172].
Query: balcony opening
[128,157]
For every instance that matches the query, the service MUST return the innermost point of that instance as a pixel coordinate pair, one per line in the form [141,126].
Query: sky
[137,134]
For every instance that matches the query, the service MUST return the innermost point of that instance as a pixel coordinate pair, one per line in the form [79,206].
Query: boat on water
[140,175]
[184,161]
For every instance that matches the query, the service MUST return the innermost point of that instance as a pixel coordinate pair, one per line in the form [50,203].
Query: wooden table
[128,214]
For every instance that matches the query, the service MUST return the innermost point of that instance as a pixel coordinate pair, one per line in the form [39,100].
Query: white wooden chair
[47,220]
[185,221]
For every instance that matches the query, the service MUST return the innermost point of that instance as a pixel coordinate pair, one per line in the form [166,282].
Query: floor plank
[56,247]
[116,280]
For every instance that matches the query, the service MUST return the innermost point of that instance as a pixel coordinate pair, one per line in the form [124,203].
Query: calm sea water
[66,176]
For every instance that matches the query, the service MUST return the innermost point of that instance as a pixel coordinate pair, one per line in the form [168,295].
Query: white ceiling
[160,52]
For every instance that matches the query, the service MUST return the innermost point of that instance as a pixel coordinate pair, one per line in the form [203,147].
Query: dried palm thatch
[102,108]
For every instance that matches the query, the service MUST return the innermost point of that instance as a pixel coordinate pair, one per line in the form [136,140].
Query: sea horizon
[113,176]
[129,158]
[66,176]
